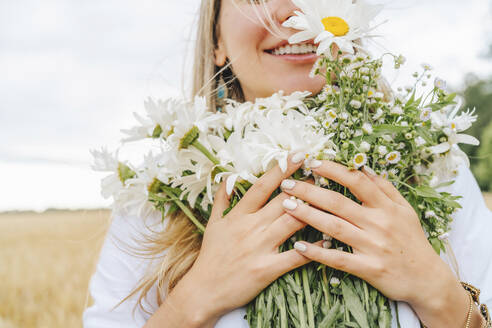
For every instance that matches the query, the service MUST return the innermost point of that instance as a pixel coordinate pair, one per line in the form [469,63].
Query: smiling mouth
[295,49]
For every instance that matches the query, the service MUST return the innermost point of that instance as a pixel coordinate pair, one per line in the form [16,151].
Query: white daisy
[440,83]
[425,114]
[355,104]
[397,110]
[365,146]
[393,157]
[339,22]
[359,160]
[104,161]
[367,128]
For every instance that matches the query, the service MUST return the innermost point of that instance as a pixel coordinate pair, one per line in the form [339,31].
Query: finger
[221,203]
[283,228]
[260,192]
[359,184]
[386,186]
[334,258]
[326,200]
[288,261]
[331,225]
[274,209]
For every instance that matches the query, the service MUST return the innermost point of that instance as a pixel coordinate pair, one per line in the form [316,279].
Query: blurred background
[72,73]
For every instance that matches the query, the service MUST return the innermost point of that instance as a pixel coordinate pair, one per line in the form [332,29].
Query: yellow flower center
[335,25]
[359,159]
[392,157]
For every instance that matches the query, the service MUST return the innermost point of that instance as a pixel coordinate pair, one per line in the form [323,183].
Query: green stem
[185,210]
[300,303]
[283,310]
[325,287]
[198,145]
[309,301]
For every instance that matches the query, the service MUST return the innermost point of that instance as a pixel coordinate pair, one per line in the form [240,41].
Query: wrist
[185,306]
[199,310]
[442,301]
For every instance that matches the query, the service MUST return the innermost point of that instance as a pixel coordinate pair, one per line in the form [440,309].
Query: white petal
[231,181]
[441,148]
[467,139]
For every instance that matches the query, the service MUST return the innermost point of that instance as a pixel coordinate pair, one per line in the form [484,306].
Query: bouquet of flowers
[408,138]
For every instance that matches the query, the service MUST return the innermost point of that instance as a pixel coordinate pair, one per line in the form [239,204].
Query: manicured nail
[326,244]
[288,184]
[299,157]
[369,171]
[300,247]
[314,164]
[290,204]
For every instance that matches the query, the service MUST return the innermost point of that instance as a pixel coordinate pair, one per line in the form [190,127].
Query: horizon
[68,87]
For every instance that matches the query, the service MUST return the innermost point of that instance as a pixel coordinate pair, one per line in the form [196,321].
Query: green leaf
[354,305]
[436,244]
[157,132]
[427,192]
[330,318]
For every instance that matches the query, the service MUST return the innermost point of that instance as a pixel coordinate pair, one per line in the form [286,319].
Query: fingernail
[326,244]
[314,164]
[369,171]
[300,247]
[288,184]
[289,204]
[299,157]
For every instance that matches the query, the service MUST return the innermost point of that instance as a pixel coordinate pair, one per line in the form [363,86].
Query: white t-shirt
[118,271]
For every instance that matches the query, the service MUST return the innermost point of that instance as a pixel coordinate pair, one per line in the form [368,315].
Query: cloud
[72,73]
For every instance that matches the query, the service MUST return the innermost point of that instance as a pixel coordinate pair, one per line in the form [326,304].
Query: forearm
[183,307]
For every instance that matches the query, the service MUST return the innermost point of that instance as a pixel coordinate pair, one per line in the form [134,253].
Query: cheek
[242,37]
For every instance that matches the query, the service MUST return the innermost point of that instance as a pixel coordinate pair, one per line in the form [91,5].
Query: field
[46,261]
[45,264]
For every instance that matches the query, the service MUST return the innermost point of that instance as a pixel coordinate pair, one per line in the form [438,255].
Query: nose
[284,10]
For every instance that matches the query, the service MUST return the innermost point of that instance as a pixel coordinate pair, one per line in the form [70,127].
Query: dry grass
[45,264]
[46,261]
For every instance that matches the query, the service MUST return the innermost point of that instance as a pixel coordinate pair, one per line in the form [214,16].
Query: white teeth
[295,49]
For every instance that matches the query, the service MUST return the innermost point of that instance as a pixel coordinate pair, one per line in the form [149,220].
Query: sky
[73,72]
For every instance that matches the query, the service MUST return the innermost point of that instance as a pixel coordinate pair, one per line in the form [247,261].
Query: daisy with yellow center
[359,160]
[393,157]
[329,22]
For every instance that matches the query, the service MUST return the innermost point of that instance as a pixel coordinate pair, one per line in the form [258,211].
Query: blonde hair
[178,245]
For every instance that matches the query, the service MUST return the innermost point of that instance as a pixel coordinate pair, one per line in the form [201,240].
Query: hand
[390,249]
[239,255]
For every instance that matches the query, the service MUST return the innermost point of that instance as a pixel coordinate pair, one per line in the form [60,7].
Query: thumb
[221,203]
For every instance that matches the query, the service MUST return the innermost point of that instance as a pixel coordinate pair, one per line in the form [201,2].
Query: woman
[194,283]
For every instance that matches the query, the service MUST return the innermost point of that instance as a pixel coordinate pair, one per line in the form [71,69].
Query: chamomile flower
[393,157]
[365,146]
[425,114]
[359,160]
[339,22]
[367,128]
[397,110]
[355,104]
[440,83]
[382,150]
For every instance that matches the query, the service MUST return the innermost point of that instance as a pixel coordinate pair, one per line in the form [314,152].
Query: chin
[302,83]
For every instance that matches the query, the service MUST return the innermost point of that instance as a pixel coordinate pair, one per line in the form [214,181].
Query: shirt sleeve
[117,273]
[471,236]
